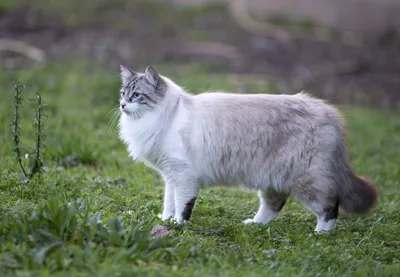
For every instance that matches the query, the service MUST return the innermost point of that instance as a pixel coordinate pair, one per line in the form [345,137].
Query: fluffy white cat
[281,145]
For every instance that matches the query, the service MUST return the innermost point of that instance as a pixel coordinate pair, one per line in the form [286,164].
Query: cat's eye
[135,95]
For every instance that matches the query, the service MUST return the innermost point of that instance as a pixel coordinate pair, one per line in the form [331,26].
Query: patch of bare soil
[363,75]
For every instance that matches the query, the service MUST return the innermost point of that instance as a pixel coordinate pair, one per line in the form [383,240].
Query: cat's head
[140,92]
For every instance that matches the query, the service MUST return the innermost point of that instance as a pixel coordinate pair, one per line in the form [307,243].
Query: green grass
[51,227]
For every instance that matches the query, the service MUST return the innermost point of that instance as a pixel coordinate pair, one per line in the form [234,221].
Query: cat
[281,145]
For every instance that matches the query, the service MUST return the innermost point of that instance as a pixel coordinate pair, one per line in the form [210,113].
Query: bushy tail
[359,196]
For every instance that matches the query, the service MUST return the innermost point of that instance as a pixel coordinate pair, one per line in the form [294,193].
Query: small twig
[18,89]
[22,48]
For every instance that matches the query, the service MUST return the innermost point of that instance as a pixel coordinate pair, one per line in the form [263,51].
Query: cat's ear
[126,74]
[152,75]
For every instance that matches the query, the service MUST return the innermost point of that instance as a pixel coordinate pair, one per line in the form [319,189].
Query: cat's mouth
[128,113]
[125,110]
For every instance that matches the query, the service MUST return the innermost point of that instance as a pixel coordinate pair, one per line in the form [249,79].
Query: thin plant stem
[18,89]
[37,165]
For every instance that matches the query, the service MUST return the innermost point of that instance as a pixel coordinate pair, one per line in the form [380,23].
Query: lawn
[91,211]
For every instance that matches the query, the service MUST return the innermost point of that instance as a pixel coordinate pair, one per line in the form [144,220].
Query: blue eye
[134,96]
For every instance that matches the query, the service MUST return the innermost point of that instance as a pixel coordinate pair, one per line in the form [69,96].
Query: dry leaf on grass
[159,231]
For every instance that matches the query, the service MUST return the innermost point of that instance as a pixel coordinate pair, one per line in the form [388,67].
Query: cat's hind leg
[271,203]
[327,213]
[318,193]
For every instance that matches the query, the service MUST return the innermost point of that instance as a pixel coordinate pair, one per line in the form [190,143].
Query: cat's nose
[122,105]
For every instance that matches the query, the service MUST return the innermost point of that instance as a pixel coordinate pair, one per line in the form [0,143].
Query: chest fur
[151,145]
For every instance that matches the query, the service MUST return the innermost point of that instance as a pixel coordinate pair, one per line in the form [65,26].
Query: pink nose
[122,105]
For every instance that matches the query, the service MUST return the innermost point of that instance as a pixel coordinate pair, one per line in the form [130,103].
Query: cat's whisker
[114,115]
[110,114]
[115,119]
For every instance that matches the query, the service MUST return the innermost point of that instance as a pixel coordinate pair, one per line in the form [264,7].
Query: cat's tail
[359,196]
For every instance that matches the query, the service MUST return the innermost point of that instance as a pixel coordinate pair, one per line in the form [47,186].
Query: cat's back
[225,99]
[265,108]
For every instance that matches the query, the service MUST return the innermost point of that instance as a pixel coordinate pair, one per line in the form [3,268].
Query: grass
[91,212]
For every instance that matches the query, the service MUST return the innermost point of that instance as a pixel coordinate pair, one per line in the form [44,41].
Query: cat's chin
[132,114]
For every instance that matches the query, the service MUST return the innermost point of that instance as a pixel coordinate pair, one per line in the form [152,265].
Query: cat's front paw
[178,220]
[166,215]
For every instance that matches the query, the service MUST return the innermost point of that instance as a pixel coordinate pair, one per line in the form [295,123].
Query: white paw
[323,226]
[177,220]
[321,232]
[249,221]
[165,217]
[255,221]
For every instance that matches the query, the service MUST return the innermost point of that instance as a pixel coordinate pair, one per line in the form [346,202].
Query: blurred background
[346,51]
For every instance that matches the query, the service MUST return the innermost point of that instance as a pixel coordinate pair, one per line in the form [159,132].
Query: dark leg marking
[275,201]
[331,212]
[187,212]
[279,208]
